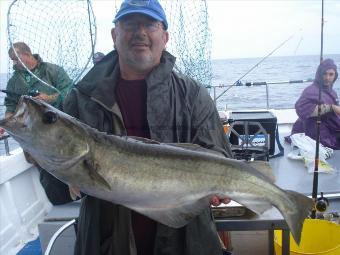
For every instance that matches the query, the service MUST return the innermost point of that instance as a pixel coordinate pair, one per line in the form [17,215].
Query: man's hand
[336,109]
[47,98]
[216,201]
[7,115]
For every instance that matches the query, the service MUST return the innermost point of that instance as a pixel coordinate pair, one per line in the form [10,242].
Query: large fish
[168,183]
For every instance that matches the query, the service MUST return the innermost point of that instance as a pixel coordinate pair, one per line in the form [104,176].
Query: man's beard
[140,61]
[143,62]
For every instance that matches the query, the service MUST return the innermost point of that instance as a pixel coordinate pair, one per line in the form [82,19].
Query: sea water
[273,69]
[227,71]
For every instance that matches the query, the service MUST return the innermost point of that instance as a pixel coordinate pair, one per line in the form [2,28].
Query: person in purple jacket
[307,107]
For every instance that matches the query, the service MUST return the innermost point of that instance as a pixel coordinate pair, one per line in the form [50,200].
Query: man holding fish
[134,91]
[145,196]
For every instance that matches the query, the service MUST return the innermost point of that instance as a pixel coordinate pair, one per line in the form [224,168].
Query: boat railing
[57,234]
[5,139]
[249,84]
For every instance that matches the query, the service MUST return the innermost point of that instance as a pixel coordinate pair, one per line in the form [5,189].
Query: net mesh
[190,37]
[61,32]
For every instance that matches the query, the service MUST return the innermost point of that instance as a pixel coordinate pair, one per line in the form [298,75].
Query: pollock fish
[170,183]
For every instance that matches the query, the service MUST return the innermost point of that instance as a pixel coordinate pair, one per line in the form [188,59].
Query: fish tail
[296,216]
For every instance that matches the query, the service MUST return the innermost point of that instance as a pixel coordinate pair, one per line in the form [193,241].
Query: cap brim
[144,12]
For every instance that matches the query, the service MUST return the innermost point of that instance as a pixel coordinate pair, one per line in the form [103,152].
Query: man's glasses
[132,26]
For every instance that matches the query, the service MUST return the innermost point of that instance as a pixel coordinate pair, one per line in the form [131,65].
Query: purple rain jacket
[305,105]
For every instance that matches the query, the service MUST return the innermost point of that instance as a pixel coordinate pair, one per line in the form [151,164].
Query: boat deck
[293,175]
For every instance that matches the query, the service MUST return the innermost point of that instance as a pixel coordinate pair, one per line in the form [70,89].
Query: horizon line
[302,55]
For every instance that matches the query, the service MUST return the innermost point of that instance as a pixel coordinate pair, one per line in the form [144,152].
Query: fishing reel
[321,203]
[33,93]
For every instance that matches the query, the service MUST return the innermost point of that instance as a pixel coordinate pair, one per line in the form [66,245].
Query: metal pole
[267,96]
[6,147]
[318,122]
[90,28]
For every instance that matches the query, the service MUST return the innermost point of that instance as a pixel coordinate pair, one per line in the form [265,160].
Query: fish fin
[185,146]
[194,147]
[94,175]
[71,162]
[175,217]
[141,139]
[296,215]
[74,192]
[263,167]
[257,206]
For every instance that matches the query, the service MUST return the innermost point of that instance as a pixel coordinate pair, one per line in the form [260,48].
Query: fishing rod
[318,122]
[298,45]
[260,83]
[257,64]
[91,32]
[32,93]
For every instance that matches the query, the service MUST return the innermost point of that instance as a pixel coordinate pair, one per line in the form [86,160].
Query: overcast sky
[253,28]
[240,28]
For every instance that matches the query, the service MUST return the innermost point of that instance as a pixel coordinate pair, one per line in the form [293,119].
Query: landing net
[190,38]
[62,32]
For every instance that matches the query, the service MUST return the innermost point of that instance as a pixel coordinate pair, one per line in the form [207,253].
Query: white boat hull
[23,202]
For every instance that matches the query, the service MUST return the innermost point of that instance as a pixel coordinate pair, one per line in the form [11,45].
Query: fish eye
[49,117]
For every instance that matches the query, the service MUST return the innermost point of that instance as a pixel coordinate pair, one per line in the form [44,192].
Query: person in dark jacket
[97,57]
[134,91]
[307,107]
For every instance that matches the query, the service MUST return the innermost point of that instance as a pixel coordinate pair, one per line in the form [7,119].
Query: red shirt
[131,98]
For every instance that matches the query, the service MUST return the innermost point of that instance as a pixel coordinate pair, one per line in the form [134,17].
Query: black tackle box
[261,124]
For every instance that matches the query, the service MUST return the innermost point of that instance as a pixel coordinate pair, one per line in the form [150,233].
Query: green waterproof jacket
[22,83]
[178,110]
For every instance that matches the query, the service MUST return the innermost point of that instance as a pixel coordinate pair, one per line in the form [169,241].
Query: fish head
[50,136]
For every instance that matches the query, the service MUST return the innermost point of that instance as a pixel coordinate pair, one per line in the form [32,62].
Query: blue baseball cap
[151,8]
